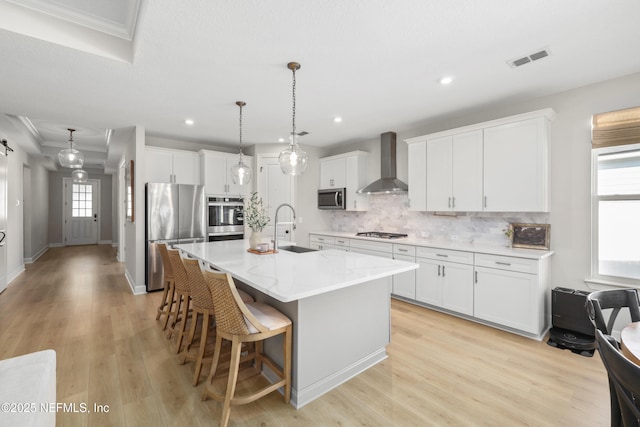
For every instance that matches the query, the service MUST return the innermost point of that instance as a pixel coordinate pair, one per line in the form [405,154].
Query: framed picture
[532,236]
[128,182]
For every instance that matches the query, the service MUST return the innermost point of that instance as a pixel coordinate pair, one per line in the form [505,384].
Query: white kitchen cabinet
[445,279]
[511,292]
[417,176]
[404,284]
[216,174]
[171,166]
[516,166]
[348,170]
[454,172]
[319,242]
[496,166]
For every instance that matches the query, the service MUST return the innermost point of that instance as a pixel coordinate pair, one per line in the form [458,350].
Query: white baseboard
[104,242]
[136,290]
[34,258]
[56,245]
[11,275]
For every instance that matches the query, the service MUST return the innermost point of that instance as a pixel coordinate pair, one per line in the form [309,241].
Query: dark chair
[613,299]
[624,381]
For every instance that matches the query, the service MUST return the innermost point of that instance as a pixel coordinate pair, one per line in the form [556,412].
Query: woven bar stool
[166,306]
[202,305]
[239,323]
[183,297]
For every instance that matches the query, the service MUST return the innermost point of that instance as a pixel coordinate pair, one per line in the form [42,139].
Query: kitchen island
[339,303]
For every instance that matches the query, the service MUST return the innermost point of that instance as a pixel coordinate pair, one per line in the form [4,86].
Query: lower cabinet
[445,284]
[321,242]
[404,284]
[510,292]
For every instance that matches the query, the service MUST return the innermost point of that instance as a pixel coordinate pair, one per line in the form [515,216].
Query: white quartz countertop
[288,276]
[449,244]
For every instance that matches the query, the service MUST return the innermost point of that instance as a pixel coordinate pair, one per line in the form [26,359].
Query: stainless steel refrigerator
[175,213]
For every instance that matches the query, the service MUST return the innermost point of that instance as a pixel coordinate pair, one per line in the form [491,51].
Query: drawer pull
[439,270]
[443,255]
[403,250]
[503,263]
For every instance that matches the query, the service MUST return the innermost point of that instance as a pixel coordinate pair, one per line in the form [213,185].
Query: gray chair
[624,380]
[614,299]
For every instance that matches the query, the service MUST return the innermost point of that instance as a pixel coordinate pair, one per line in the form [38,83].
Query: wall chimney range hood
[388,183]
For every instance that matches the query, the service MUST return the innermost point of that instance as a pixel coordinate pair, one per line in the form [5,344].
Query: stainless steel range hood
[388,183]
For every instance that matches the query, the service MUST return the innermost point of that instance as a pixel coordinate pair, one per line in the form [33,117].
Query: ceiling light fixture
[293,161]
[337,119]
[188,122]
[240,172]
[446,80]
[70,157]
[79,175]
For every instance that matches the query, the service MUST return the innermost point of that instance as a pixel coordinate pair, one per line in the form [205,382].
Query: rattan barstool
[202,304]
[166,306]
[241,323]
[183,297]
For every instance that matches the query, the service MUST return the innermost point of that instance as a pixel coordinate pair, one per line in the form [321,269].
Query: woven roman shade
[620,127]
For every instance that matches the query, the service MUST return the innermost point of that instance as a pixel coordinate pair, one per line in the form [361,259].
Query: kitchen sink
[296,249]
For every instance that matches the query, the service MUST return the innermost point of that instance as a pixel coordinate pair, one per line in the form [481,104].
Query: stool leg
[163,304]
[214,367]
[203,345]
[176,315]
[287,363]
[192,333]
[234,366]
[183,327]
[172,291]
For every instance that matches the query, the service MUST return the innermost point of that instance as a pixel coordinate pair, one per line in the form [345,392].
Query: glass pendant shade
[79,175]
[293,161]
[240,172]
[71,158]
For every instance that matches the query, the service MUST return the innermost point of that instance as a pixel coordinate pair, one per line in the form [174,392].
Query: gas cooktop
[381,235]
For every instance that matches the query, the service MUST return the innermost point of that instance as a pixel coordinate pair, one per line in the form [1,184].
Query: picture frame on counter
[531,236]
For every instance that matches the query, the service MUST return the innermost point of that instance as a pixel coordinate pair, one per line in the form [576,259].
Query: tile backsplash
[389,212]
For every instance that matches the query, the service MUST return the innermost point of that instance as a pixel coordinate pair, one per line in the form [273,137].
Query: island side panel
[340,334]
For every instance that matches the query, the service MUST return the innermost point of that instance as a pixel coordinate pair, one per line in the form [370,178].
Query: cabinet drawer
[445,255]
[385,248]
[521,265]
[314,238]
[405,250]
[341,241]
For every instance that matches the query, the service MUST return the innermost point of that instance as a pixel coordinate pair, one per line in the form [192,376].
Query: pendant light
[70,157]
[293,161]
[79,175]
[240,172]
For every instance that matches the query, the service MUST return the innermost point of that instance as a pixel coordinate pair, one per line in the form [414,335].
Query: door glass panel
[81,196]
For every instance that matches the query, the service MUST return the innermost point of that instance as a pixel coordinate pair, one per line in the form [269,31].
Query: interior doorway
[81,206]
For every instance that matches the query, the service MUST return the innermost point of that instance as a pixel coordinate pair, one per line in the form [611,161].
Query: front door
[81,212]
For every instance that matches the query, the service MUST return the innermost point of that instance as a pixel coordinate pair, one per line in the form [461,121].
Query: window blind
[619,127]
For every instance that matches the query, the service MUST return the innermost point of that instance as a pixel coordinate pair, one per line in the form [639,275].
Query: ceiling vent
[514,63]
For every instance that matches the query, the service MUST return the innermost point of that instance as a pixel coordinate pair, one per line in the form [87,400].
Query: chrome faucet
[275,224]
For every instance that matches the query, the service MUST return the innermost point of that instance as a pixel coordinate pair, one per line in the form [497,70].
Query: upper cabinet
[516,166]
[216,174]
[171,166]
[497,166]
[348,170]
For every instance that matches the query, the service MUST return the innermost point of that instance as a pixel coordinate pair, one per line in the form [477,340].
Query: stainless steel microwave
[333,198]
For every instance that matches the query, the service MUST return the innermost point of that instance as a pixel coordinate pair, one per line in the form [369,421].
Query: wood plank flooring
[441,370]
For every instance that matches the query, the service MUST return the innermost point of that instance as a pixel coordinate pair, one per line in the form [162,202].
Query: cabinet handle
[403,250]
[503,263]
[331,182]
[449,205]
[453,202]
[443,271]
[476,279]
[439,270]
[409,203]
[443,255]
[355,204]
[485,201]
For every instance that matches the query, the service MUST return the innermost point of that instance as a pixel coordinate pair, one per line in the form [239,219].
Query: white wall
[36,207]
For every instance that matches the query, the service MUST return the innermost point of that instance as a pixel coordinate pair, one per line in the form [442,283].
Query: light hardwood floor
[441,370]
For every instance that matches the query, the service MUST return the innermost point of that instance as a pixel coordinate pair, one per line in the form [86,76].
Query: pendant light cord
[293,133]
[241,131]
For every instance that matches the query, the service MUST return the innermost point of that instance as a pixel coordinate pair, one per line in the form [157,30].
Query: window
[616,213]
[82,201]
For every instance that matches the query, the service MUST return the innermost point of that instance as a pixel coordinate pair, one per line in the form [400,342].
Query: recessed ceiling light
[446,80]
[337,119]
[280,139]
[188,122]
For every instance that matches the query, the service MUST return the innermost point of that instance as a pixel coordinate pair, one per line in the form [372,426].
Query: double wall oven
[225,218]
